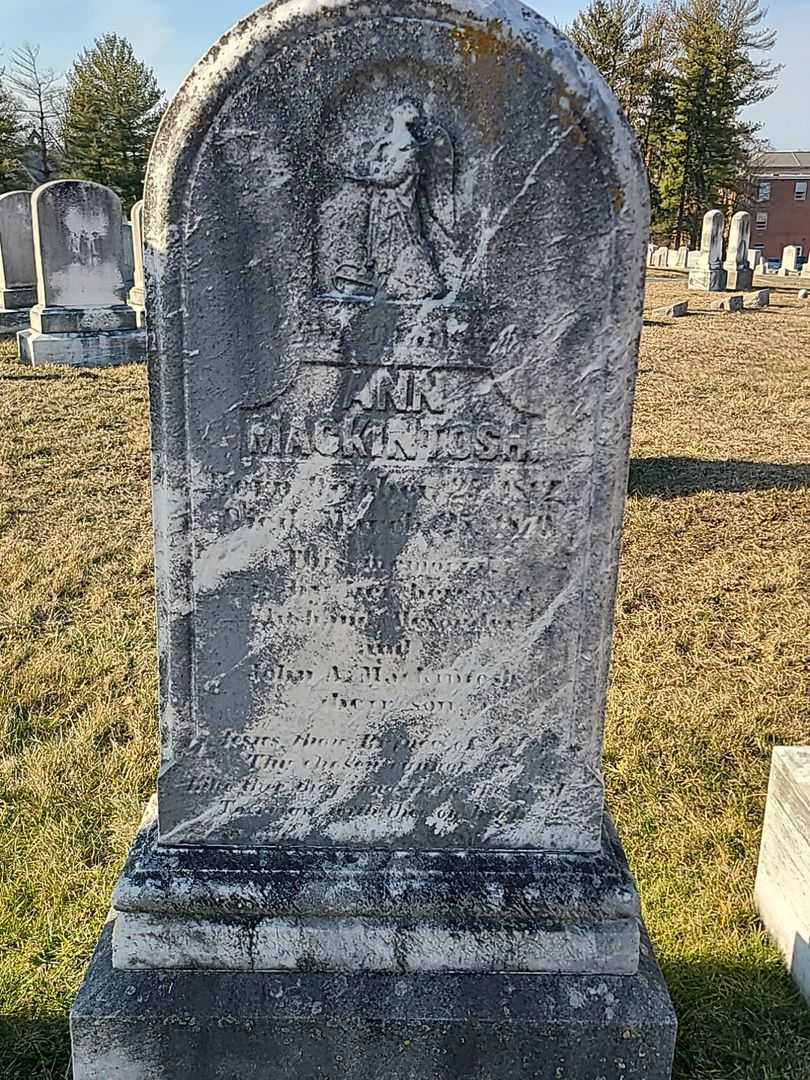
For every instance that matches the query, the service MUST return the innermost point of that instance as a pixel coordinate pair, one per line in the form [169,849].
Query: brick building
[780,207]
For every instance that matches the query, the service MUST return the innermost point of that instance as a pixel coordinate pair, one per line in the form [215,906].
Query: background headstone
[739,275]
[708,275]
[136,294]
[388,490]
[18,291]
[128,268]
[783,875]
[81,317]
[790,260]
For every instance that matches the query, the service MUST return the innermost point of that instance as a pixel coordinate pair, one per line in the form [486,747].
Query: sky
[171,35]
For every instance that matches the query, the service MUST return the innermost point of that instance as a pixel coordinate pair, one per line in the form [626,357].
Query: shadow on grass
[674,476]
[34,1047]
[738,1021]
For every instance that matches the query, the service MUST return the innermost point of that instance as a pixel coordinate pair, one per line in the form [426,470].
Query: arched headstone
[395,263]
[709,275]
[739,274]
[18,290]
[136,295]
[81,318]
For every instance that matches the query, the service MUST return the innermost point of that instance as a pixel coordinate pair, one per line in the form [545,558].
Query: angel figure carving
[410,177]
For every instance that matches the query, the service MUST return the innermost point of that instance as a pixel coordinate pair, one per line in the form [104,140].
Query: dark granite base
[12,320]
[82,350]
[139,1025]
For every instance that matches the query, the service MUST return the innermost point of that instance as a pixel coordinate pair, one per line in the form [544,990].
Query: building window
[800,191]
[764,192]
[762,221]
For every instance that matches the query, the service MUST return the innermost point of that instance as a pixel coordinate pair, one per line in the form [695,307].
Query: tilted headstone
[81,318]
[709,275]
[782,889]
[759,299]
[739,274]
[790,260]
[136,294]
[388,491]
[18,289]
[729,303]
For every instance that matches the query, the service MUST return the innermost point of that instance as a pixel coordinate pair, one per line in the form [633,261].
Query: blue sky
[171,35]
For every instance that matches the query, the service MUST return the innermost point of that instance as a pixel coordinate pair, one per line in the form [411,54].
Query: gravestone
[708,275]
[739,274]
[729,303]
[672,258]
[759,299]
[692,259]
[136,293]
[650,253]
[81,317]
[755,260]
[128,268]
[782,889]
[388,491]
[682,257]
[18,290]
[662,257]
[790,260]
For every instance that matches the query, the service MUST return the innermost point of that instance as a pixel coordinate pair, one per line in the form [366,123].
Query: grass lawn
[710,671]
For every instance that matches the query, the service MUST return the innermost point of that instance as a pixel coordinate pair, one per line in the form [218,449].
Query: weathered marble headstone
[759,299]
[739,274]
[728,303]
[81,317]
[692,259]
[783,876]
[708,275]
[790,260]
[662,257]
[650,252]
[682,257]
[388,491]
[18,289]
[672,258]
[136,293]
[755,260]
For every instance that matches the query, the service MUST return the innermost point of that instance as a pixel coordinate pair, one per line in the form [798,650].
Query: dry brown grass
[710,671]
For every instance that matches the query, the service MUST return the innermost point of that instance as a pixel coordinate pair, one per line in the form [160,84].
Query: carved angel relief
[407,179]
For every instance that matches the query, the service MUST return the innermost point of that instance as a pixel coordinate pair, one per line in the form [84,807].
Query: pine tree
[12,144]
[611,34]
[112,111]
[630,43]
[709,144]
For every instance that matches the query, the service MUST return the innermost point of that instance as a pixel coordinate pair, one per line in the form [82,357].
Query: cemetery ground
[710,670]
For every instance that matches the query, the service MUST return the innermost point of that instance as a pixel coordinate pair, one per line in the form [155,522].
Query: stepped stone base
[213,1025]
[707,280]
[739,280]
[97,349]
[270,909]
